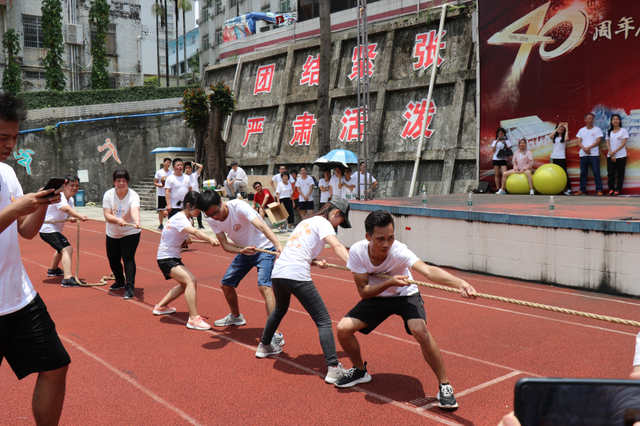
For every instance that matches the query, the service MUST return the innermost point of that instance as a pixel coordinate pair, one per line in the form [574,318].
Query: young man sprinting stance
[379,253]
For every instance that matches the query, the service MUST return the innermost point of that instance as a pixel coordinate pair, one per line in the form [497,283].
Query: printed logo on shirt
[237,227]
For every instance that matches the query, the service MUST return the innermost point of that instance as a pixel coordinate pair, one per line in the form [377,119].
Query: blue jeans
[243,263]
[311,301]
[594,162]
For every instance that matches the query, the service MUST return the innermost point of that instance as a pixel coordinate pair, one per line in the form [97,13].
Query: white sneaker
[334,374]
[532,192]
[277,339]
[500,192]
[230,320]
[264,351]
[567,192]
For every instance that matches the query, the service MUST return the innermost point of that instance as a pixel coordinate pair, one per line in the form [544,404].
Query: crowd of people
[588,140]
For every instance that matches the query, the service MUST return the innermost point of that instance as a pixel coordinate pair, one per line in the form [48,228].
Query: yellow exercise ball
[549,179]
[517,184]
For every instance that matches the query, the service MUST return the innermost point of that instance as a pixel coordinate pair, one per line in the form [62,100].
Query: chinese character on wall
[414,115]
[254,125]
[302,129]
[310,71]
[264,79]
[358,68]
[350,125]
[425,49]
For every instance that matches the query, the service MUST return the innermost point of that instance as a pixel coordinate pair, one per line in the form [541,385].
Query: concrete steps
[147,192]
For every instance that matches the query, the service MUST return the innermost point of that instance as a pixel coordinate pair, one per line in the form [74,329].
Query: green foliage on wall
[54,43]
[99,16]
[11,81]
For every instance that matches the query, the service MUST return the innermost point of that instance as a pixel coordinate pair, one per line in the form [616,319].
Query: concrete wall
[448,162]
[75,146]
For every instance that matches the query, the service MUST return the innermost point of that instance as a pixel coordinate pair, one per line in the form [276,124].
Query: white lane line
[133,382]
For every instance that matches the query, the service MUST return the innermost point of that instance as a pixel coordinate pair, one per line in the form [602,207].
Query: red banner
[548,62]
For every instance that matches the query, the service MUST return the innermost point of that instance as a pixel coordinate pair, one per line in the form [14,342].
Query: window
[172,49]
[219,37]
[111,38]
[266,9]
[33,36]
[170,19]
[162,44]
[219,7]
[205,42]
[205,15]
[191,40]
[163,60]
[233,3]
[163,70]
[113,82]
[34,75]
[285,5]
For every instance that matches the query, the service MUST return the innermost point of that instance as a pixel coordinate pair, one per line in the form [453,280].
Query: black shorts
[295,202]
[174,211]
[29,341]
[162,202]
[305,205]
[55,240]
[166,265]
[375,310]
[500,163]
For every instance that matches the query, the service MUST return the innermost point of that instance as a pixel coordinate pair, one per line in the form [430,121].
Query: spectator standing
[559,156]
[499,159]
[589,138]
[176,187]
[617,137]
[325,187]
[158,181]
[195,186]
[349,183]
[369,179]
[277,178]
[336,182]
[283,195]
[304,184]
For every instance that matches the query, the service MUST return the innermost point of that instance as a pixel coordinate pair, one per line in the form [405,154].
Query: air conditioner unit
[74,34]
[197,21]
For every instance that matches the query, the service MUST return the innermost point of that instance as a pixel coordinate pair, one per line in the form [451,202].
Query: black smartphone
[588,402]
[54,183]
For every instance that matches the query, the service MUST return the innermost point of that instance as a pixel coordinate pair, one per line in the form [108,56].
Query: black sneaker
[118,285]
[71,282]
[55,272]
[160,228]
[353,376]
[128,292]
[446,399]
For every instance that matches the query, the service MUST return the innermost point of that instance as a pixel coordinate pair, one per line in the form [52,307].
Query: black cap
[342,205]
[234,163]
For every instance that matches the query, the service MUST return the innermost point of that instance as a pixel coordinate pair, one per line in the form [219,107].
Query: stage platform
[591,242]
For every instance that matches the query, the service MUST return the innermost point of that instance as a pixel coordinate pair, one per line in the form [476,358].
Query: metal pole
[443,14]
[364,132]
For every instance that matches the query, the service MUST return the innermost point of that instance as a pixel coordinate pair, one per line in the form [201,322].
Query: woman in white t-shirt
[617,137]
[175,232]
[121,206]
[326,191]
[283,196]
[499,161]
[559,154]
[291,275]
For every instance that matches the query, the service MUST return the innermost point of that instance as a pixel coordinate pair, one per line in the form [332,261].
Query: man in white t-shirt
[28,337]
[244,226]
[158,181]
[336,182]
[51,233]
[305,183]
[349,183]
[589,138]
[379,253]
[236,179]
[366,179]
[277,178]
[194,175]
[176,187]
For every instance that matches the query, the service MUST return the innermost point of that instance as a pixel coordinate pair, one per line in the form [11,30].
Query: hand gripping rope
[614,320]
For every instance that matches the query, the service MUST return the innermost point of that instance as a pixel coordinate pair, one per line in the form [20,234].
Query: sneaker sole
[365,379]
[55,275]
[331,381]
[71,285]
[195,327]
[219,324]
[447,407]
[163,312]
[263,355]
[115,289]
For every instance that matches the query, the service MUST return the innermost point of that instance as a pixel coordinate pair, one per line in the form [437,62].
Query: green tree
[185,6]
[99,16]
[222,103]
[11,81]
[52,29]
[194,64]
[158,11]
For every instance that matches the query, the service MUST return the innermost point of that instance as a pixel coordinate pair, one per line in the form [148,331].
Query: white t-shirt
[179,186]
[277,179]
[173,235]
[305,243]
[334,182]
[304,185]
[636,360]
[238,225]
[615,140]
[159,175]
[353,182]
[370,180]
[398,262]
[559,149]
[121,208]
[194,181]
[54,213]
[16,290]
[589,137]
[499,147]
[284,191]
[238,174]
[324,196]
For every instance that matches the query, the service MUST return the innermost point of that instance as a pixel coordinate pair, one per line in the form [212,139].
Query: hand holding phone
[54,183]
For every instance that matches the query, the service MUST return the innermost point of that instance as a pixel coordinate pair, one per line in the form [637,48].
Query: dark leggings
[562,162]
[311,301]
[288,204]
[123,249]
[615,173]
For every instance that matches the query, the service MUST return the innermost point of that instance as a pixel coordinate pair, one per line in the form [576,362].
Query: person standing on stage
[158,181]
[380,253]
[589,138]
[292,276]
[51,233]
[304,184]
[559,156]
[325,187]
[169,258]
[617,137]
[176,188]
[28,337]
[369,179]
[244,227]
[121,205]
[499,160]
[194,175]
[283,196]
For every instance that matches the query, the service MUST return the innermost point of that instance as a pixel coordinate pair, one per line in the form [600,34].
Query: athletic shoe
[128,292]
[71,282]
[277,339]
[201,228]
[446,399]
[616,193]
[118,285]
[160,228]
[579,193]
[55,272]
[334,374]
[500,192]
[567,192]
[611,192]
[353,376]
[532,192]
[264,351]
[600,193]
[230,320]
[163,310]
[198,323]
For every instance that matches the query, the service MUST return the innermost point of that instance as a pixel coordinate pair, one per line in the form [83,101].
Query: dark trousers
[592,161]
[311,301]
[123,249]
[615,173]
[200,220]
[288,204]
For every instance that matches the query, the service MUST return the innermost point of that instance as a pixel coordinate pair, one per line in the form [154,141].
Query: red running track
[132,368]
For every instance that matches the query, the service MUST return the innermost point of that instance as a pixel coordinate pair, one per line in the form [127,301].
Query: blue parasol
[343,156]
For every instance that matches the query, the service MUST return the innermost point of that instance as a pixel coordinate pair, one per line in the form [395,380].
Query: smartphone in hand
[54,183]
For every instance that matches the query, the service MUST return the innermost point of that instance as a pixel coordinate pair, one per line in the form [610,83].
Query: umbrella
[341,156]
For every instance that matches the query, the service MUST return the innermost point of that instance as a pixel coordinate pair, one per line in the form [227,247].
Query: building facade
[191,43]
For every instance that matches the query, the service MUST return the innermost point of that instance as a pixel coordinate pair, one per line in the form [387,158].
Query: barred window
[233,3]
[34,75]
[219,37]
[205,42]
[33,36]
[205,15]
[219,7]
[111,38]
